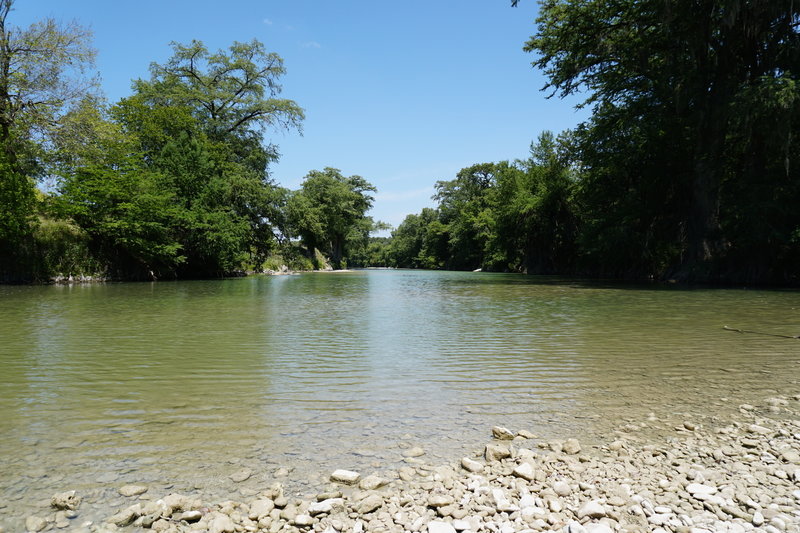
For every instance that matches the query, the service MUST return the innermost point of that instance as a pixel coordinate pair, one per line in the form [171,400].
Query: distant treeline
[686,170]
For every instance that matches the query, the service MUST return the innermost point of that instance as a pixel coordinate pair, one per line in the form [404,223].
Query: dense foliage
[685,170]
[169,182]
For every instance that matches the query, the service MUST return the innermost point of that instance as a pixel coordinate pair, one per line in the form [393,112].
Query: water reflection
[180,384]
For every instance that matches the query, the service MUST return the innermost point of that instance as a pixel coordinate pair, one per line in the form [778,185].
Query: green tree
[670,79]
[44,69]
[328,208]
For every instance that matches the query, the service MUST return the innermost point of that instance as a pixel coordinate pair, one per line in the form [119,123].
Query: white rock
[758,519]
[372,482]
[562,488]
[461,525]
[575,527]
[221,524]
[325,506]
[260,507]
[496,452]
[698,488]
[598,527]
[303,520]
[241,475]
[502,433]
[527,500]
[440,500]
[525,471]
[132,490]
[438,526]
[35,523]
[470,465]
[346,477]
[501,502]
[416,451]
[591,509]
[571,446]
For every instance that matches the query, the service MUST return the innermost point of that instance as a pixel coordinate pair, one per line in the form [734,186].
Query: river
[177,385]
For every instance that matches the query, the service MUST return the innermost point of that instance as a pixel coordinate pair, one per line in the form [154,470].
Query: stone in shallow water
[416,451]
[66,500]
[346,477]
[241,475]
[35,524]
[132,490]
[501,433]
[372,482]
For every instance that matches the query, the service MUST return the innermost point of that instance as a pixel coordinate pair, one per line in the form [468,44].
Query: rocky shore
[740,474]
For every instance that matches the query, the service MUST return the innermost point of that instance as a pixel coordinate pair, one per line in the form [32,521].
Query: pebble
[369,504]
[697,481]
[241,475]
[591,509]
[416,451]
[496,452]
[437,526]
[346,477]
[65,500]
[372,482]
[525,471]
[132,490]
[571,446]
[562,488]
[501,433]
[35,524]
[440,500]
[470,465]
[699,489]
[221,524]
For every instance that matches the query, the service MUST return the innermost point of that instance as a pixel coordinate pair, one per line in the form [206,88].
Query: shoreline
[742,474]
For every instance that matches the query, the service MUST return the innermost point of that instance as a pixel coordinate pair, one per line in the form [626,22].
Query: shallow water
[179,385]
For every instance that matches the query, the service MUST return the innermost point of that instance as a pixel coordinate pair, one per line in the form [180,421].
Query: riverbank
[740,473]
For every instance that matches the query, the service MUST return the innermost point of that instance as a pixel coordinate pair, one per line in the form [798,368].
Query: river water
[179,385]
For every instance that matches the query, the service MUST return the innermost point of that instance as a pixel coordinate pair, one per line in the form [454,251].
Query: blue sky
[402,93]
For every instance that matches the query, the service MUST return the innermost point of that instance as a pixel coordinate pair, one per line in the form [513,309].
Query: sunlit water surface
[179,385]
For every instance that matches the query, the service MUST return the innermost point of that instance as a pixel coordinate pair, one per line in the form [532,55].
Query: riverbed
[181,385]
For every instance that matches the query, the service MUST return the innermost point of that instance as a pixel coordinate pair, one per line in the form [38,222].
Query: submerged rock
[35,524]
[66,500]
[132,490]
[416,451]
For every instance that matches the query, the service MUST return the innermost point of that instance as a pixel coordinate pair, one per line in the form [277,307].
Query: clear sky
[403,93]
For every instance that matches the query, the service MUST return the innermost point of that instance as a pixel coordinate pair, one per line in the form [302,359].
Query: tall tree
[328,208]
[673,76]
[44,69]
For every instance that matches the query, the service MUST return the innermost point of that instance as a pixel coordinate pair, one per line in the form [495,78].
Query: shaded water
[178,385]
